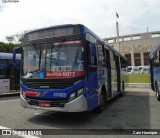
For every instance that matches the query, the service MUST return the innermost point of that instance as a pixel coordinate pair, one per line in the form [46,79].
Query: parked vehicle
[9,72]
[144,69]
[133,70]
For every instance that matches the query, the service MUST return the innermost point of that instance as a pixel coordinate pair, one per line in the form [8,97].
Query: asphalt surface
[138,109]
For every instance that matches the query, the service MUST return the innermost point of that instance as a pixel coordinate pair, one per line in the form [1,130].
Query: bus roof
[9,56]
[114,50]
[154,50]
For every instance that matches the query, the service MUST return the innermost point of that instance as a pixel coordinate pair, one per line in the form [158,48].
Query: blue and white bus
[154,61]
[68,68]
[9,73]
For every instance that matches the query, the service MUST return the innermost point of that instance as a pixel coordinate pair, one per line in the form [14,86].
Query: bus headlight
[80,91]
[72,96]
[76,94]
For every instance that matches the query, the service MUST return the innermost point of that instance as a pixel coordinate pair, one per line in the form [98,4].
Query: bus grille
[50,83]
[54,85]
[52,103]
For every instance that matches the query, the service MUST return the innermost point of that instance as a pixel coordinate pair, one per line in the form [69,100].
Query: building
[136,47]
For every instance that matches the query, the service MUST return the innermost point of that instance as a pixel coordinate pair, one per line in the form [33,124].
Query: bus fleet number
[59,94]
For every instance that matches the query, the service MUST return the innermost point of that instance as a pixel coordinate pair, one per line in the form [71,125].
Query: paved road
[138,109]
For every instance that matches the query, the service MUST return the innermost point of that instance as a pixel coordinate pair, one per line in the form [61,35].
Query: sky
[135,16]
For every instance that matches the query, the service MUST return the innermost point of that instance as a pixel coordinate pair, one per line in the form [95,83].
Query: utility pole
[117,30]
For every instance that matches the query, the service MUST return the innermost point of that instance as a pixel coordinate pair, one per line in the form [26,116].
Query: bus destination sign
[53,32]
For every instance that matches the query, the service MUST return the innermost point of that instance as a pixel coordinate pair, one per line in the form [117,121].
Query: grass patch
[138,78]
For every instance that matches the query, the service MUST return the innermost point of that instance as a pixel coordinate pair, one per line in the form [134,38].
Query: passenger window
[112,58]
[101,55]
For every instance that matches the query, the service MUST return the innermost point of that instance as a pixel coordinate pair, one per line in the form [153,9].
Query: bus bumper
[77,105]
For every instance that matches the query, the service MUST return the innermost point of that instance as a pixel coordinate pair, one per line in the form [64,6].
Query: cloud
[99,16]
[2,7]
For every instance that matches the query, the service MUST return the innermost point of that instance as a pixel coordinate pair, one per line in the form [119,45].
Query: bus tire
[122,90]
[101,107]
[157,93]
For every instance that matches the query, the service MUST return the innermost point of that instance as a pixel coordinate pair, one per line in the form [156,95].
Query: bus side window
[112,60]
[93,55]
[101,54]
[157,59]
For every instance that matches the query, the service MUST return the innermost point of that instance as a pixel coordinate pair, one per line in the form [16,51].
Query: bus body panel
[4,85]
[54,94]
[77,105]
[92,97]
[154,61]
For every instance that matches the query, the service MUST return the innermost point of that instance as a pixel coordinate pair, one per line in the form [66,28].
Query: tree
[17,38]
[7,47]
[10,39]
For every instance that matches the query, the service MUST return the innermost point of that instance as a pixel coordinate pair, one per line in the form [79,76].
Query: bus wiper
[34,71]
[60,45]
[36,52]
[57,49]
[35,47]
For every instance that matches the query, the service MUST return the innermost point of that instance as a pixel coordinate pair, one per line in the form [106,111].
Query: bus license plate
[44,104]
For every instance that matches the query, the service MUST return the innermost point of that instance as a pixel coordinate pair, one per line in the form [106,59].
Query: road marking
[24,136]
[37,113]
[46,114]
[8,100]
[42,114]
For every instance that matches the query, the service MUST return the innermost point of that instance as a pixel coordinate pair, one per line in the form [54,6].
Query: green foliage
[138,78]
[7,47]
[16,38]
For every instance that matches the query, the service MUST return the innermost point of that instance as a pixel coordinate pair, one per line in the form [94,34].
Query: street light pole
[117,30]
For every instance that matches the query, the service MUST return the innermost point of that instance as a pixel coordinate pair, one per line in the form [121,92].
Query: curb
[138,85]
[9,94]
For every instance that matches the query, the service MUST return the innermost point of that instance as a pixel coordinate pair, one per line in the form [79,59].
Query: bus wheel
[122,91]
[157,93]
[101,107]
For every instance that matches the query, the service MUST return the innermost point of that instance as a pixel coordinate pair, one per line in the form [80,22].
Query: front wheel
[100,108]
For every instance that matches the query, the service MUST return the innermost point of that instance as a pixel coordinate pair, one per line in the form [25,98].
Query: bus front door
[14,78]
[92,78]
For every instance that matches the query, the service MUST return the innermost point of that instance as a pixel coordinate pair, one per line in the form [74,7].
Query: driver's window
[93,55]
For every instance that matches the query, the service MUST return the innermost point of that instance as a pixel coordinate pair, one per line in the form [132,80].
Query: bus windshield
[53,59]
[3,69]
